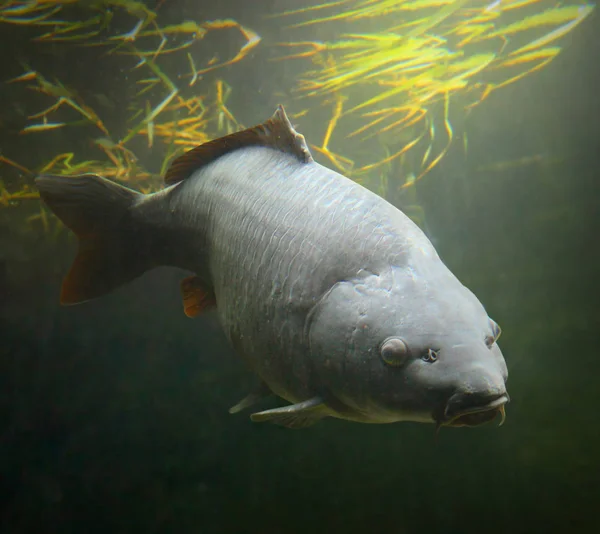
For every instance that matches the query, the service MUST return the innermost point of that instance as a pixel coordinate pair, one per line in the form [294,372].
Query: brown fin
[112,247]
[196,299]
[277,132]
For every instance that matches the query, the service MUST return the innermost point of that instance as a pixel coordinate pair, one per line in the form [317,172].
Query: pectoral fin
[262,391]
[196,299]
[299,415]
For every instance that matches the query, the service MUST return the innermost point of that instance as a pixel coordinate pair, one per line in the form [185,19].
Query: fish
[335,299]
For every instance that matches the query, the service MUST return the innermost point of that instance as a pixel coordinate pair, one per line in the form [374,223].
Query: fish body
[276,235]
[334,298]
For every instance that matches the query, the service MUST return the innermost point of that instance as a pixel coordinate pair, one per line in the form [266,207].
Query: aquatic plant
[184,116]
[397,76]
[425,57]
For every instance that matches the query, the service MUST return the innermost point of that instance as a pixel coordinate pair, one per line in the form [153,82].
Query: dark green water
[113,414]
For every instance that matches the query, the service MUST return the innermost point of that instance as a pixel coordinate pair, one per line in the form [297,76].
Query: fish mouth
[478,415]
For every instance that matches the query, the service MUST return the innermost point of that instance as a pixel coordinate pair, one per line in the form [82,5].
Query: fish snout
[468,407]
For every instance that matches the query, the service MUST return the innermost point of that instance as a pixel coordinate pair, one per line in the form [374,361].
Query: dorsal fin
[277,132]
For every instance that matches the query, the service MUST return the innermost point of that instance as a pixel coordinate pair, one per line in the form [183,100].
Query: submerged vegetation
[426,58]
[393,76]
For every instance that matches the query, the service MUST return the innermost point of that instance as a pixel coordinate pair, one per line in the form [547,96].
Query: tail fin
[99,212]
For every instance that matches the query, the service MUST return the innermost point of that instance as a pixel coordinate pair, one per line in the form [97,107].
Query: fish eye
[496,331]
[394,351]
[430,356]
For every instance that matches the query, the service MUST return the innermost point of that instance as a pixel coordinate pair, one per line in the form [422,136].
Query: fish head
[388,348]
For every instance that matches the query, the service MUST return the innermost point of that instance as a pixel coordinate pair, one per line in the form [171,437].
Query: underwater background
[113,414]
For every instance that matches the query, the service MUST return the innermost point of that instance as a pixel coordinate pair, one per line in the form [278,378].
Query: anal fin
[259,393]
[300,415]
[196,299]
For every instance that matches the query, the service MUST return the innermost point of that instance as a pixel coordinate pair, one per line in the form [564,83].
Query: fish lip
[494,406]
